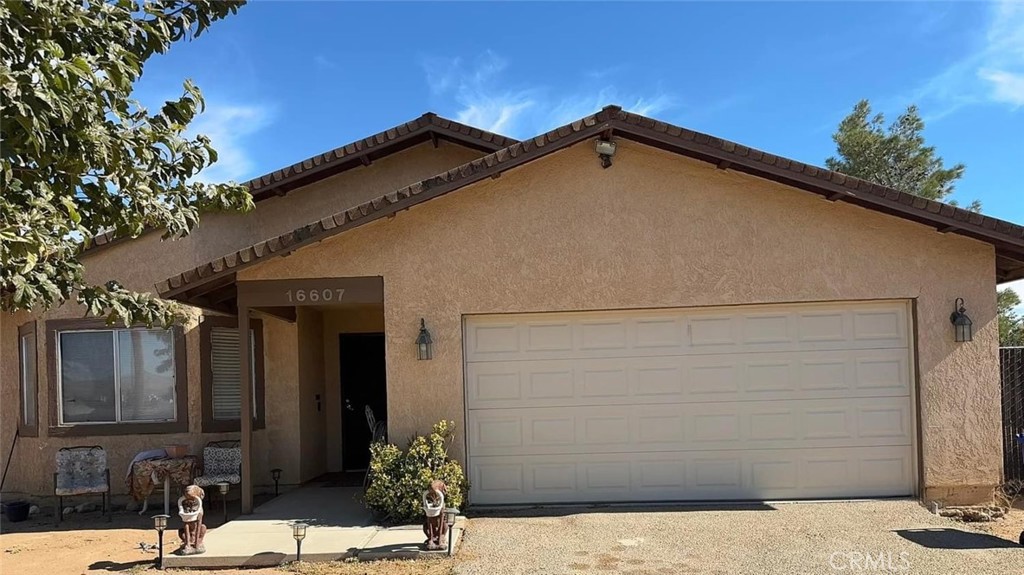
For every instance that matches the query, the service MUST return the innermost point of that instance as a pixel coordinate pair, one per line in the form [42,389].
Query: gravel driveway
[790,539]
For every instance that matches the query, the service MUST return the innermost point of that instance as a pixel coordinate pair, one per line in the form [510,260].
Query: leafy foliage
[897,157]
[1011,324]
[80,156]
[397,479]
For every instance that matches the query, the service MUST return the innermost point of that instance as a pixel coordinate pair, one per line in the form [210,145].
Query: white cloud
[324,62]
[483,102]
[484,98]
[991,73]
[574,107]
[1007,87]
[228,126]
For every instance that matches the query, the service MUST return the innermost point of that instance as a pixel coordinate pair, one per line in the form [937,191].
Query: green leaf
[86,155]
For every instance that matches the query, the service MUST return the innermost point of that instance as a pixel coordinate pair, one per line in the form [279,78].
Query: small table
[144,475]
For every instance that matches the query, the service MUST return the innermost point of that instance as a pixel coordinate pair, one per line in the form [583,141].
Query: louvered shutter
[227,401]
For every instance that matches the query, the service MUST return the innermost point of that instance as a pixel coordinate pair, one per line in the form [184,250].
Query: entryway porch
[340,527]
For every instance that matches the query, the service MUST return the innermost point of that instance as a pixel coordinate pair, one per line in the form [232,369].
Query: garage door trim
[686,314]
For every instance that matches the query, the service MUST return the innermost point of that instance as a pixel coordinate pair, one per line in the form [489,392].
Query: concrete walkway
[340,527]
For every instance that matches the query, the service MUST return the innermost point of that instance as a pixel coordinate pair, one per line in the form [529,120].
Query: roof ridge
[726,154]
[364,145]
[269,184]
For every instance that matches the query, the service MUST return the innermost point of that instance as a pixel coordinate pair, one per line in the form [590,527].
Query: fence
[1011,362]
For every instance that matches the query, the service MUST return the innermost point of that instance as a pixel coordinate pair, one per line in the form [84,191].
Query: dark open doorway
[363,383]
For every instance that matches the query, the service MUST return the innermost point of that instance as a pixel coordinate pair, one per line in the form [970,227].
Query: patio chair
[380,434]
[371,419]
[81,470]
[222,463]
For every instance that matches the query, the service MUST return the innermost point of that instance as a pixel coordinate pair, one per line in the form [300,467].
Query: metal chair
[371,419]
[81,470]
[380,434]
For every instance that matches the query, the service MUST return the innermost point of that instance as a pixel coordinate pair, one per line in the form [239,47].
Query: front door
[363,383]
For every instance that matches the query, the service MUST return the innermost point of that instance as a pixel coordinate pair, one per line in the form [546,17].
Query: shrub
[398,479]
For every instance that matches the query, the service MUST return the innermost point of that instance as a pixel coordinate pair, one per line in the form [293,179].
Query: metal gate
[1011,361]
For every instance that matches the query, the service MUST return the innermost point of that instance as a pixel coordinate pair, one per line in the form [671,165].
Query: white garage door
[750,402]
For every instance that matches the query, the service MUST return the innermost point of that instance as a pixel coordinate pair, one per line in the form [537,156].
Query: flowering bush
[398,479]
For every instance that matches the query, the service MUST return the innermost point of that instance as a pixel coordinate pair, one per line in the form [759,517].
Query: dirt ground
[1010,526]
[87,544]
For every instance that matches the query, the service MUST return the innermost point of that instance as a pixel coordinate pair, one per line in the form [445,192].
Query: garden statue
[192,532]
[434,525]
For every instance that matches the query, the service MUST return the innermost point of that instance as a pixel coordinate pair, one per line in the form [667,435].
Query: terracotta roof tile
[736,156]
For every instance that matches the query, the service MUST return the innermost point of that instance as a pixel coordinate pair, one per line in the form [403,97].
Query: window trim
[56,429]
[24,429]
[211,425]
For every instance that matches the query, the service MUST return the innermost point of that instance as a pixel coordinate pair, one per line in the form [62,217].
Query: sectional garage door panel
[688,378]
[693,476]
[758,402]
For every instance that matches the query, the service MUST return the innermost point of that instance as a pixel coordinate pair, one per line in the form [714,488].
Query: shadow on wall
[563,511]
[944,538]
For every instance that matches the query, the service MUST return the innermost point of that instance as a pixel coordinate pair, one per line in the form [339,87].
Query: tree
[80,156]
[897,158]
[1011,324]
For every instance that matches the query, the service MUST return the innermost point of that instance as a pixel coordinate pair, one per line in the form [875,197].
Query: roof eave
[1007,238]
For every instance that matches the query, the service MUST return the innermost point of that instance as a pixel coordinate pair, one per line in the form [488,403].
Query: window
[110,380]
[222,399]
[28,423]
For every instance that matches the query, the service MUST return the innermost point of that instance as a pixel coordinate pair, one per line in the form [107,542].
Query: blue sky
[286,80]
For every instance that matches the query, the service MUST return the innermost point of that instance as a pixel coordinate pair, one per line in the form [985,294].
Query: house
[619,310]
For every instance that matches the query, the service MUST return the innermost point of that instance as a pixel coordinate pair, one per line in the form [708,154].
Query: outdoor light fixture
[299,533]
[276,474]
[223,486]
[424,343]
[160,523]
[961,322]
[605,150]
[450,513]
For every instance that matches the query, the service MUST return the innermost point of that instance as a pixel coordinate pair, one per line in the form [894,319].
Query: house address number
[314,295]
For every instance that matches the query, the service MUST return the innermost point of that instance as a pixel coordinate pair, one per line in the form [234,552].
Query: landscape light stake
[160,523]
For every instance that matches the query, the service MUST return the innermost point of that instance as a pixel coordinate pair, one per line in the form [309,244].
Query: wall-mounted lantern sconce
[605,151]
[424,343]
[961,322]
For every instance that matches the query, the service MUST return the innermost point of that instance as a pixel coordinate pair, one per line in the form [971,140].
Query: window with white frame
[116,376]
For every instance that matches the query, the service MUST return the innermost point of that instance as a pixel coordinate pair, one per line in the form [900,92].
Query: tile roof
[1008,238]
[361,152]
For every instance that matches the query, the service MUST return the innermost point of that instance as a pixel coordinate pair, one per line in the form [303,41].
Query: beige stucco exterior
[559,234]
[299,450]
[659,230]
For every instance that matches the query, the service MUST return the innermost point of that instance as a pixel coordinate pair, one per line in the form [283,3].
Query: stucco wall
[147,260]
[141,263]
[659,230]
[311,420]
[281,446]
